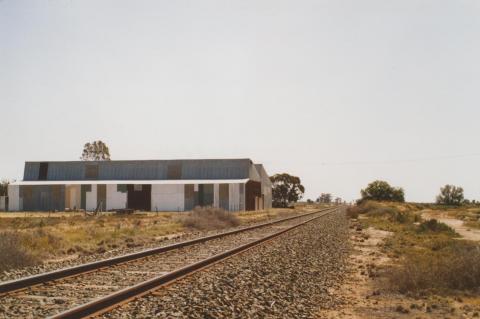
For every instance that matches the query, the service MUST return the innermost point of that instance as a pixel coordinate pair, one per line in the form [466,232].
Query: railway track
[91,288]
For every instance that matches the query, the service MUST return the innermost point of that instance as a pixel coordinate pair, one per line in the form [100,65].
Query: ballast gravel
[82,259]
[289,277]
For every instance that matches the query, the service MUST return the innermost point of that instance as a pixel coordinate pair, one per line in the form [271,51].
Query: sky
[337,92]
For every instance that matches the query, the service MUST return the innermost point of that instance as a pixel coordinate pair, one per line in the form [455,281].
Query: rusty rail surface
[22,283]
[104,304]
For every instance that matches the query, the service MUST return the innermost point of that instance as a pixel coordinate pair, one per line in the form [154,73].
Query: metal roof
[199,169]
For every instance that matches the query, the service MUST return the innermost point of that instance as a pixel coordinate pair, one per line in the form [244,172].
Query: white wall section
[168,197]
[14,203]
[91,199]
[216,195]
[234,197]
[115,199]
[241,196]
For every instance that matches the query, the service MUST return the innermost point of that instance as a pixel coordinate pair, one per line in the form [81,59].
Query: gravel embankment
[82,259]
[287,278]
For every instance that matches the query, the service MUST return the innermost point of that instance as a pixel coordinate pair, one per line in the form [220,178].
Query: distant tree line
[327,198]
[382,191]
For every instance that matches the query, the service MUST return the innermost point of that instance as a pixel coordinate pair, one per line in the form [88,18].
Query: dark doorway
[102,197]
[139,197]
[224,196]
[204,196]
[252,191]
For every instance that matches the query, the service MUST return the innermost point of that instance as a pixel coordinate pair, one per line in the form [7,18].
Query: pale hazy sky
[337,92]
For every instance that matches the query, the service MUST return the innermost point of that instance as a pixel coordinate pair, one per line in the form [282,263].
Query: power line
[402,161]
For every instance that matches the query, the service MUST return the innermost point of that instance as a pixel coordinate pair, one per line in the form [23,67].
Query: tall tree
[450,195]
[95,151]
[286,189]
[382,191]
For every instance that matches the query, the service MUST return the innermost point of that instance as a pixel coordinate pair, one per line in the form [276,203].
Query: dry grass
[452,268]
[265,215]
[13,253]
[57,236]
[210,218]
[353,212]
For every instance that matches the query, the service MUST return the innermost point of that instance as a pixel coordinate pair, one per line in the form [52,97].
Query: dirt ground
[364,295]
[457,224]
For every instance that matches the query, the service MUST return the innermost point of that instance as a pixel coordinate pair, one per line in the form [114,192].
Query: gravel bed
[51,298]
[289,277]
[83,259]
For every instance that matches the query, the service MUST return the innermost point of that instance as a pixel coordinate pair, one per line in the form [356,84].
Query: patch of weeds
[13,253]
[208,218]
[353,212]
[435,226]
[453,267]
[473,224]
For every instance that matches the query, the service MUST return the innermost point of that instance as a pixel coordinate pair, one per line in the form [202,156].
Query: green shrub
[435,226]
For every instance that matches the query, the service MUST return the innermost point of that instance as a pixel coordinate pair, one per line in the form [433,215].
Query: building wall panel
[91,198]
[234,197]
[223,196]
[139,197]
[241,197]
[43,197]
[115,199]
[73,197]
[205,195]
[253,190]
[189,191]
[216,195]
[14,198]
[168,197]
[102,197]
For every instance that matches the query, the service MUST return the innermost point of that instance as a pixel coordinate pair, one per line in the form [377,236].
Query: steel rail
[22,283]
[104,304]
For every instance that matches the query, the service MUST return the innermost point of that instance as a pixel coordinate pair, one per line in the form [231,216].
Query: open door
[139,197]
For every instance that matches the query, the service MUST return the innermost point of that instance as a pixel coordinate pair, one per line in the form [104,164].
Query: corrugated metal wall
[91,198]
[266,186]
[43,198]
[143,170]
